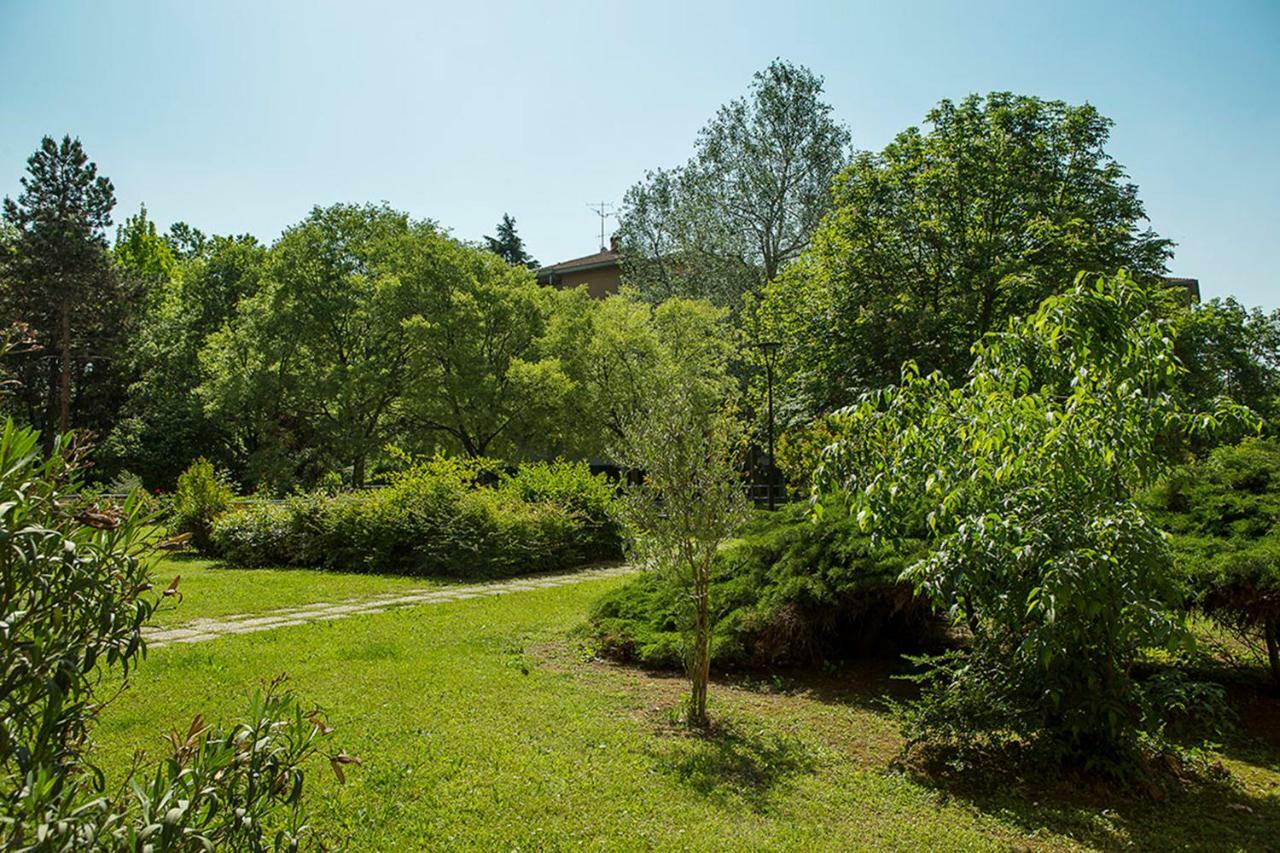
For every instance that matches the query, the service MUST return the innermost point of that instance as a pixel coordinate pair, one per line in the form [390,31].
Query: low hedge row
[791,590]
[435,519]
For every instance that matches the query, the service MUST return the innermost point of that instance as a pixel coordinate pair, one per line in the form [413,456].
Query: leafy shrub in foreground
[432,519]
[1029,472]
[791,590]
[75,596]
[202,494]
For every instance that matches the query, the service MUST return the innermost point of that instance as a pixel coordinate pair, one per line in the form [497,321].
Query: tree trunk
[700,663]
[64,368]
[357,471]
[1271,627]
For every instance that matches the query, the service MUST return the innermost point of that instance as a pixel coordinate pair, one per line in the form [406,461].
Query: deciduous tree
[946,234]
[747,201]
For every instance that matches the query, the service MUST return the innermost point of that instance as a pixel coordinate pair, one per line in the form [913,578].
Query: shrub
[1027,476]
[432,519]
[75,596]
[571,486]
[1224,517]
[791,591]
[202,494]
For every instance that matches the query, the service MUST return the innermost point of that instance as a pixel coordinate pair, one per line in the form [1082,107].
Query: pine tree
[508,245]
[62,282]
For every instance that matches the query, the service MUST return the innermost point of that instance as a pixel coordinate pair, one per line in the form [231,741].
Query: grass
[210,589]
[482,724]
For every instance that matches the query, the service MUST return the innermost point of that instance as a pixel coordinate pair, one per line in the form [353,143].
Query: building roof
[607,258]
[1192,285]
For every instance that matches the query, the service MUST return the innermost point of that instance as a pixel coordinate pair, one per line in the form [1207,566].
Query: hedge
[435,519]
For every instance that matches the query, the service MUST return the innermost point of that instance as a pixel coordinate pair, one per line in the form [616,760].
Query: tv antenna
[604,210]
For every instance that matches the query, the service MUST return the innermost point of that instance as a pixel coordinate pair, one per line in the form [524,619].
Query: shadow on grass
[1208,814]
[731,762]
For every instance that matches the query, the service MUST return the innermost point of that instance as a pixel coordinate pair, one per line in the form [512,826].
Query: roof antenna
[604,211]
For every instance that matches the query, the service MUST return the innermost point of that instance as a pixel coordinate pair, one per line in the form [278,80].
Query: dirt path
[199,630]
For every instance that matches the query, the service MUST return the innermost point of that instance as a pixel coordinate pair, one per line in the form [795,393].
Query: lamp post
[769,348]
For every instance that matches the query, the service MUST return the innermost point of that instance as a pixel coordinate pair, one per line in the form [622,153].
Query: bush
[203,493]
[75,596]
[571,486]
[790,591]
[1224,517]
[434,519]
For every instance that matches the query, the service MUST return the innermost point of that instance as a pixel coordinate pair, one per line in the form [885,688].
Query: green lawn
[482,725]
[210,589]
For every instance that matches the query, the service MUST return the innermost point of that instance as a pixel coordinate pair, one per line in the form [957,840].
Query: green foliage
[203,493]
[571,486]
[62,284]
[435,519]
[143,253]
[75,595]
[945,235]
[1025,476]
[747,201]
[164,418]
[792,590]
[1232,351]
[615,350]
[1224,514]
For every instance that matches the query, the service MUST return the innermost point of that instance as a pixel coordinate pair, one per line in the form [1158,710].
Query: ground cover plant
[1224,516]
[789,591]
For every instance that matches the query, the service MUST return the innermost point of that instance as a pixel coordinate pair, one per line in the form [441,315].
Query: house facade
[601,273]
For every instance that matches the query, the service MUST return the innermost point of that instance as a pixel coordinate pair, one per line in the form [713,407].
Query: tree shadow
[730,763]
[1208,813]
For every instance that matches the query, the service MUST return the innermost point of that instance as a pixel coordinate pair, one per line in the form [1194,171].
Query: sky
[240,117]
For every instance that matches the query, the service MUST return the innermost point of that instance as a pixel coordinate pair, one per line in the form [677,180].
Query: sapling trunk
[700,659]
[1271,628]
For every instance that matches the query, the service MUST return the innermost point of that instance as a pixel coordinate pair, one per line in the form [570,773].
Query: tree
[141,252]
[508,245]
[689,502]
[1025,478]
[320,352]
[185,241]
[746,203]
[615,351]
[479,382]
[62,283]
[1230,350]
[1224,515]
[945,235]
[164,421]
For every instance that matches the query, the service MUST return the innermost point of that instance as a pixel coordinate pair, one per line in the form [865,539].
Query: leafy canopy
[747,201]
[946,234]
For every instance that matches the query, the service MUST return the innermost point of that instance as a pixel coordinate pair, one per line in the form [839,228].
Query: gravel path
[200,630]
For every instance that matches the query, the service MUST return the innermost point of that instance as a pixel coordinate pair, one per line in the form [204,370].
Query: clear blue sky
[238,117]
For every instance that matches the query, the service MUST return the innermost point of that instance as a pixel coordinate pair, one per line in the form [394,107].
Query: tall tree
[317,356]
[479,382]
[163,422]
[746,203]
[62,282]
[615,350]
[508,245]
[949,232]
